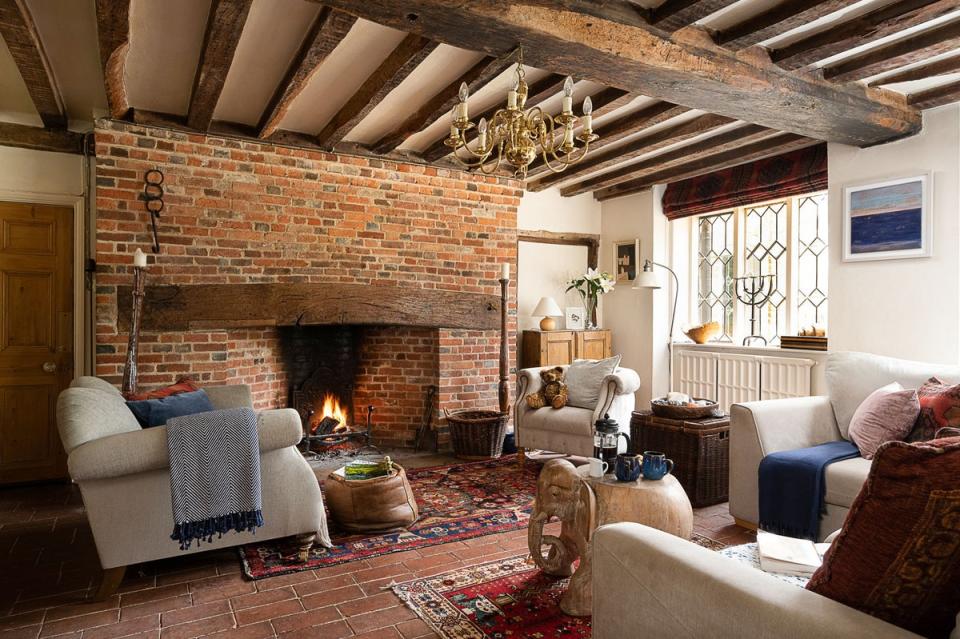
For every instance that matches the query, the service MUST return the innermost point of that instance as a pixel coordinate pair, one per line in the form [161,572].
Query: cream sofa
[569,430]
[123,474]
[655,584]
[760,428]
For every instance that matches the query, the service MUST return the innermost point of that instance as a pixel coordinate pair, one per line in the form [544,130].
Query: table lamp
[548,309]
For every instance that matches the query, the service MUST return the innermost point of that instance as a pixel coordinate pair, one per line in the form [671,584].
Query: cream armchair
[569,430]
[123,472]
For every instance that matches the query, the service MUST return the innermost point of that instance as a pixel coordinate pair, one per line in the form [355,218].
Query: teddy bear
[554,391]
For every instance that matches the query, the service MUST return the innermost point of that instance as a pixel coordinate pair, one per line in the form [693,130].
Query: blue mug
[628,467]
[656,465]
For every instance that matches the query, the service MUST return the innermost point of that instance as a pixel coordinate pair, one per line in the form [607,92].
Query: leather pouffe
[372,505]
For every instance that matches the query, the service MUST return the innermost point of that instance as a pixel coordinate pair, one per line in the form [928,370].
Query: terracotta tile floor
[48,566]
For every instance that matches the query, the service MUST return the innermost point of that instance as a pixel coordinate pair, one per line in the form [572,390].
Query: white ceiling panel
[15,103]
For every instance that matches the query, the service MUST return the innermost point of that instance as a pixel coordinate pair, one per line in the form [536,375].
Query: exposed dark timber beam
[222,306]
[765,148]
[539,90]
[589,240]
[937,96]
[442,103]
[925,44]
[712,145]
[401,62]
[696,74]
[928,70]
[870,27]
[224,26]
[21,37]
[327,31]
[676,14]
[635,148]
[610,132]
[777,20]
[113,35]
[32,137]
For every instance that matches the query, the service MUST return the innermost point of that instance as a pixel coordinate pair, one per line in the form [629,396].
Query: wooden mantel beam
[224,26]
[690,71]
[327,31]
[113,34]
[20,35]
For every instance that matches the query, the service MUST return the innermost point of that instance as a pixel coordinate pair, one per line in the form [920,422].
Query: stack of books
[806,342]
[367,469]
[788,555]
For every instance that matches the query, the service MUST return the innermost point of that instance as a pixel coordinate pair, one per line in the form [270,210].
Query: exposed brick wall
[240,211]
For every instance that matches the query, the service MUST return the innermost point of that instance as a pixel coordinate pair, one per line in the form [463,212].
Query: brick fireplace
[241,213]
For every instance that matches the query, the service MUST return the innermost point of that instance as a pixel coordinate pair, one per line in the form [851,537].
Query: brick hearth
[243,212]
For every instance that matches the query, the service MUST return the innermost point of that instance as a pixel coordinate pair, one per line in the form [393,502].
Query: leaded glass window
[715,265]
[785,240]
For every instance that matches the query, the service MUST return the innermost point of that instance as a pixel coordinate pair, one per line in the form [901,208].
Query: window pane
[715,272]
[812,260]
[765,246]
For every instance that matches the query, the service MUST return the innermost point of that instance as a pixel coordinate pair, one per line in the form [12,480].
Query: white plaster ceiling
[15,103]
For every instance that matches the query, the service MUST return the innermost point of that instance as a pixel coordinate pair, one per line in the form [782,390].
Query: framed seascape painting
[887,220]
[625,256]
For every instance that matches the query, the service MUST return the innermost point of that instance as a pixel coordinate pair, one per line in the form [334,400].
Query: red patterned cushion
[898,554]
[183,385]
[939,408]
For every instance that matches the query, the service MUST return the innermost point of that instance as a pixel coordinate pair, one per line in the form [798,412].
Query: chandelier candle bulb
[568,95]
[482,134]
[568,135]
[588,114]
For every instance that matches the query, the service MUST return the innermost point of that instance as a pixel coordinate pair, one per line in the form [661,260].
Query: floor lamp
[648,279]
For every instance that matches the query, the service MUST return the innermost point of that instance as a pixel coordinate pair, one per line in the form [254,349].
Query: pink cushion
[888,414]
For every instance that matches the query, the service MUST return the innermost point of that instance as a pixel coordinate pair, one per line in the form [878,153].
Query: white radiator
[733,378]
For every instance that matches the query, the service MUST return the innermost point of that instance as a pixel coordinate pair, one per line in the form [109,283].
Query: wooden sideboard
[558,348]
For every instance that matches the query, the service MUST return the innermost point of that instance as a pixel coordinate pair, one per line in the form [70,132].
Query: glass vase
[590,308]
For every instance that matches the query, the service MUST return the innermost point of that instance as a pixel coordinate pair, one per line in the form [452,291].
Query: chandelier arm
[565,163]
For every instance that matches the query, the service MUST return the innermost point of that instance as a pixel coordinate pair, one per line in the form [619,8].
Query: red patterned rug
[456,502]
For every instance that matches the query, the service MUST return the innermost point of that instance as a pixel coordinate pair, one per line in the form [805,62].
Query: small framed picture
[625,260]
[888,220]
[575,318]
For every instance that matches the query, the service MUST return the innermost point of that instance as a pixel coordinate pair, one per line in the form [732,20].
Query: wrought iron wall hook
[153,201]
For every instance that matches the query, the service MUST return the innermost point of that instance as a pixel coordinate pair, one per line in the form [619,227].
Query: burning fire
[332,408]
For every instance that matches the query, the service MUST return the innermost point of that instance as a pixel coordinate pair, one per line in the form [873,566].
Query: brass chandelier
[514,135]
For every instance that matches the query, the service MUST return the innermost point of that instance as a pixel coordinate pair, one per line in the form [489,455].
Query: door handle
[49,367]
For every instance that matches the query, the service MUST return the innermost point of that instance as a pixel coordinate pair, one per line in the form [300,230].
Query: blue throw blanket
[792,488]
[214,474]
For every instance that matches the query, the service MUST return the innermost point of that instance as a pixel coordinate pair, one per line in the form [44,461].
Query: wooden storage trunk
[699,448]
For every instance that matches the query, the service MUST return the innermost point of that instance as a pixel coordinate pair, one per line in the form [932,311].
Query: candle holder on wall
[754,291]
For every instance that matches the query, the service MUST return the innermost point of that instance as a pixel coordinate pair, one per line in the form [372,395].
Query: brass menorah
[754,291]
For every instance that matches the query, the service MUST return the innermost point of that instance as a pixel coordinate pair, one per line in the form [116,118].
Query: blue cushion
[156,412]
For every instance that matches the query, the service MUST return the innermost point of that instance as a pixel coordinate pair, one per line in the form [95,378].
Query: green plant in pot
[591,285]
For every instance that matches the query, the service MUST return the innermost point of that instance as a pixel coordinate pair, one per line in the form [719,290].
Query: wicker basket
[671,411]
[700,450]
[477,434]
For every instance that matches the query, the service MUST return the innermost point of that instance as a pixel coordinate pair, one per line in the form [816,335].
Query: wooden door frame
[75,202]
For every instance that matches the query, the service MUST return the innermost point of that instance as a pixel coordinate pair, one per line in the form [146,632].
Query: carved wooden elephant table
[582,503]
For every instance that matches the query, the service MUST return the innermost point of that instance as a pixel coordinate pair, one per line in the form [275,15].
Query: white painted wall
[28,171]
[902,308]
[545,269]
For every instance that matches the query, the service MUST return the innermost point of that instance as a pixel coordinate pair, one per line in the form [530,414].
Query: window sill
[737,348]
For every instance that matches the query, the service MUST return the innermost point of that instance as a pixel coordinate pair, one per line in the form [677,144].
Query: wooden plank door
[36,337]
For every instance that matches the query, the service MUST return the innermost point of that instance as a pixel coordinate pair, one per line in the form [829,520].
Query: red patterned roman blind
[793,173]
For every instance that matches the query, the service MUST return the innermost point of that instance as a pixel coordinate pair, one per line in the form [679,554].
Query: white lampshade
[646,279]
[547,307]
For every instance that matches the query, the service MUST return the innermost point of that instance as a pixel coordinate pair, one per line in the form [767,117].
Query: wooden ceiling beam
[401,62]
[20,35]
[39,139]
[777,20]
[613,131]
[707,161]
[442,103]
[224,27]
[922,72]
[717,144]
[113,36]
[539,90]
[673,15]
[327,31]
[695,73]
[869,27]
[635,148]
[937,96]
[943,38]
